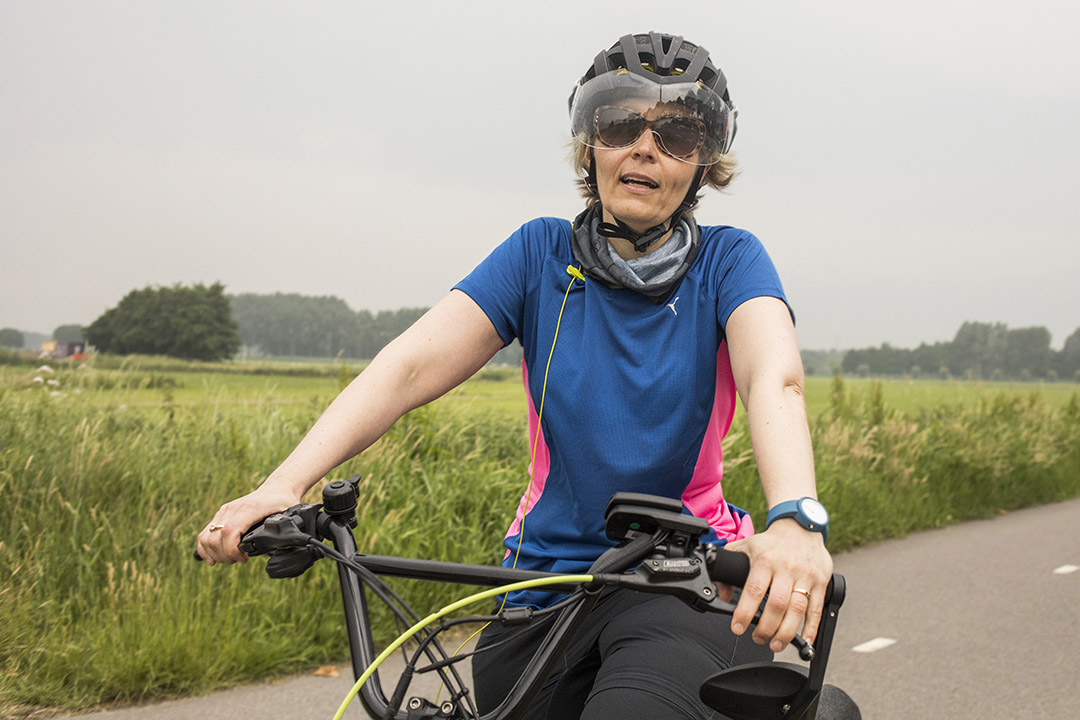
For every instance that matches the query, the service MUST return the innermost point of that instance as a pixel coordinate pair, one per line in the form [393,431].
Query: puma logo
[672,306]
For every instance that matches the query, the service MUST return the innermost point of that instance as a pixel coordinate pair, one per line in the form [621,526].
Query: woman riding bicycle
[638,328]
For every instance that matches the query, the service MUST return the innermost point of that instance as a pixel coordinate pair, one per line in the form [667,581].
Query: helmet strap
[642,241]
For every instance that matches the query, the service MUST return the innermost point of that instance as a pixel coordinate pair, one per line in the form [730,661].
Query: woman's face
[641,184]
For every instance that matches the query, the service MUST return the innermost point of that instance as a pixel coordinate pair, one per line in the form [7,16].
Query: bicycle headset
[668,72]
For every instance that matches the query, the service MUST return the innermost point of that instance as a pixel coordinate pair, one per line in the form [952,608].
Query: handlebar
[730,568]
[657,552]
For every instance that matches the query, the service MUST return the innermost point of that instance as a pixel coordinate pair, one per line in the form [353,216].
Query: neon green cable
[577,275]
[490,592]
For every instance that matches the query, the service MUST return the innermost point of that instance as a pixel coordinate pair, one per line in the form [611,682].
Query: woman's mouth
[641,181]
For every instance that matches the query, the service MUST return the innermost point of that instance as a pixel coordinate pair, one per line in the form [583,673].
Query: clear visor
[689,121]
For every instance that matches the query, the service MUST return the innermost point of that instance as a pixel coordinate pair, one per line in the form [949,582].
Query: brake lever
[806,650]
[292,528]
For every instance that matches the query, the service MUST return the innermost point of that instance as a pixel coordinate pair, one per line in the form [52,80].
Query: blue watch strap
[788,508]
[793,509]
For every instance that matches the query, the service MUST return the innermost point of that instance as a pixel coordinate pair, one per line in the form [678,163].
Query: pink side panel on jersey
[704,496]
[538,468]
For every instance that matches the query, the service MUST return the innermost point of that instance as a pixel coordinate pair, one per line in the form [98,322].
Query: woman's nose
[648,145]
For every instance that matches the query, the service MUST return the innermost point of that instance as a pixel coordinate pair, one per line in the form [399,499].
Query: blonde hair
[718,176]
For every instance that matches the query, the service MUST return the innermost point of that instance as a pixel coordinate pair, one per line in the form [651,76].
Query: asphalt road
[983,619]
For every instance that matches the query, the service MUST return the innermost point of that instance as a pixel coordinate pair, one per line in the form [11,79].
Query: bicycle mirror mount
[629,514]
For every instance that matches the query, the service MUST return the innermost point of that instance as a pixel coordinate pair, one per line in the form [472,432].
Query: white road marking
[1066,569]
[873,645]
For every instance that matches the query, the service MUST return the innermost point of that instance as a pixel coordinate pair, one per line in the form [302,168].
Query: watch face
[814,510]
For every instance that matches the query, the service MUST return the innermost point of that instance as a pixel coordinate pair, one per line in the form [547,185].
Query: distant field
[313,382]
[910,395]
[505,393]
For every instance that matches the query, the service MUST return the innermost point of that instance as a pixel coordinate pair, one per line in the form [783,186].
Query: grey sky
[909,166]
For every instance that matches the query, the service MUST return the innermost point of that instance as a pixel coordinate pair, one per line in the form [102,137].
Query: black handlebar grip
[729,567]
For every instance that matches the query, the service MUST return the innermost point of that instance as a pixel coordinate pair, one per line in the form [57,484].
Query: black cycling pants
[639,656]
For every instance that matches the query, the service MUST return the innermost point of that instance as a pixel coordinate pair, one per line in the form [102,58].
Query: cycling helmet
[645,72]
[662,70]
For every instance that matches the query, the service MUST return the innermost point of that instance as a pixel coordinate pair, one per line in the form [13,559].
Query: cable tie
[516,616]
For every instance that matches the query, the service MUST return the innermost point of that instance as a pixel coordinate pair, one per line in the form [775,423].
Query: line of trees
[980,351]
[18,340]
[202,323]
[299,325]
[304,326]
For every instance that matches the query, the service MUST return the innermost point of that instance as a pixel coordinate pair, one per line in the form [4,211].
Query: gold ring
[214,528]
[804,592]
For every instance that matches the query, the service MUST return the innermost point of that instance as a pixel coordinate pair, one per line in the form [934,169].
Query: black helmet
[661,69]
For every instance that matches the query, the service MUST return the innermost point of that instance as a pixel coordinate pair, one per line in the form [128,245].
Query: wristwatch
[806,511]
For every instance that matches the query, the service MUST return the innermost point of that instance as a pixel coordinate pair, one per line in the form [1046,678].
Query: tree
[193,323]
[822,362]
[292,324]
[388,324]
[11,338]
[1027,349]
[68,334]
[1068,360]
[978,349]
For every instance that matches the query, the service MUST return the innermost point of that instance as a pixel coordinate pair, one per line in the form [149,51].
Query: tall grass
[100,600]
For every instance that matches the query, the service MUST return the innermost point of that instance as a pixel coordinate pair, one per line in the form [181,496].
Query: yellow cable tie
[575,273]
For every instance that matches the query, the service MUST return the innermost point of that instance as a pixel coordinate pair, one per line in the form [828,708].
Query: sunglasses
[679,136]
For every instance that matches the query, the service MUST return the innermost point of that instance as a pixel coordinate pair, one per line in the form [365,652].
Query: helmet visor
[690,121]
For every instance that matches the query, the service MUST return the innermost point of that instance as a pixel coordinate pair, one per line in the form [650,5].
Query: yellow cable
[505,589]
[574,272]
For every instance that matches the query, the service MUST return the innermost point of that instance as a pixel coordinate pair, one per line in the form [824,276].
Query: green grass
[101,601]
[107,482]
[914,395]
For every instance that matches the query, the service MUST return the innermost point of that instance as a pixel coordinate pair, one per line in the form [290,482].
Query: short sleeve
[499,284]
[745,272]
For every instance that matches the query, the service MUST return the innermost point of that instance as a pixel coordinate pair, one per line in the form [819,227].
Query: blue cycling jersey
[639,395]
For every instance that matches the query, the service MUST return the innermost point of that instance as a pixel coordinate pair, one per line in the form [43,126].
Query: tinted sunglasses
[679,136]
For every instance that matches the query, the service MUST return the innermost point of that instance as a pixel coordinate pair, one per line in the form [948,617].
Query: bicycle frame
[361,644]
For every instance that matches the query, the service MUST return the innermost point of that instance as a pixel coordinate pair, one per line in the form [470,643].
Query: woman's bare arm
[440,351]
[769,376]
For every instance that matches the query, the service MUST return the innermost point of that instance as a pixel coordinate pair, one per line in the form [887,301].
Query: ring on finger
[214,527]
[801,591]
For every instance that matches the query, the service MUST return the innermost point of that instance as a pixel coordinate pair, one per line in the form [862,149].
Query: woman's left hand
[785,560]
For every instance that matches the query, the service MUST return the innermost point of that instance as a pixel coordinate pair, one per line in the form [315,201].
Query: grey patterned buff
[654,275]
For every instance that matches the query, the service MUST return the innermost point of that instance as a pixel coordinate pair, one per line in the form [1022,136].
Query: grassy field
[109,471]
[151,381]
[506,394]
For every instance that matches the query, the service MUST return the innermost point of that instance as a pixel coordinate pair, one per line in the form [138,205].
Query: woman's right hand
[219,540]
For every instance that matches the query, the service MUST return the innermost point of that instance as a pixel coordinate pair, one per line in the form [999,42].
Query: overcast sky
[909,166]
